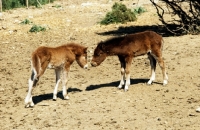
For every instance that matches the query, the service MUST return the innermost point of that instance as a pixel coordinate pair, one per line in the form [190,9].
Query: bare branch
[185,15]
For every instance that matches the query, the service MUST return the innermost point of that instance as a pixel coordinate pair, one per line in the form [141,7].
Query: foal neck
[75,48]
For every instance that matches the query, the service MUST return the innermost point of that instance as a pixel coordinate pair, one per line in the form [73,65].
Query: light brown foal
[58,58]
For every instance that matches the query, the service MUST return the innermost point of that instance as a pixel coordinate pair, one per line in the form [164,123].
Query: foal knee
[127,72]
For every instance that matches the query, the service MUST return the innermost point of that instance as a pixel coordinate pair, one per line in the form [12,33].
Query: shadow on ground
[160,29]
[49,96]
[116,83]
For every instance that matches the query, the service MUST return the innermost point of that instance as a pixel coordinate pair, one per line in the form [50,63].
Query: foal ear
[103,47]
[85,49]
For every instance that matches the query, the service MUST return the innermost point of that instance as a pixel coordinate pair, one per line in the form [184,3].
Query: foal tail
[162,44]
[39,64]
[35,67]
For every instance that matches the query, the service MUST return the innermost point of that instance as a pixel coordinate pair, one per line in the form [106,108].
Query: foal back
[143,43]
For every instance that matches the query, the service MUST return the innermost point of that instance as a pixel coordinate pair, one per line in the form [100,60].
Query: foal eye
[99,54]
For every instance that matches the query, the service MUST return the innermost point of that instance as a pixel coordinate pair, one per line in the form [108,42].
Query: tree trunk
[27,4]
[0,5]
[39,3]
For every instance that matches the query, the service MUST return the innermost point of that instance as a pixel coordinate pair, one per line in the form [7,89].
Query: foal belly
[55,65]
[51,66]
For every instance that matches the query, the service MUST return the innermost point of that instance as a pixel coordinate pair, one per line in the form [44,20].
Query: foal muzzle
[94,64]
[85,66]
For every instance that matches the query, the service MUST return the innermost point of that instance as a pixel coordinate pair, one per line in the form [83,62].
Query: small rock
[10,31]
[17,21]
[97,123]
[91,51]
[166,91]
[159,119]
[191,114]
[4,27]
[1,89]
[30,16]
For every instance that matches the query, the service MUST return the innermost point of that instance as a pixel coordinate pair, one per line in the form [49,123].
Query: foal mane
[110,43]
[73,45]
[113,40]
[77,49]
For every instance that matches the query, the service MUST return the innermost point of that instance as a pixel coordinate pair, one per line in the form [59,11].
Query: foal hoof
[26,106]
[164,82]
[66,98]
[54,97]
[119,87]
[125,90]
[29,105]
[149,82]
[198,109]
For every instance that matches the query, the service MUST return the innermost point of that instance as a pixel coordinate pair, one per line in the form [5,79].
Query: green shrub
[37,28]
[139,10]
[42,2]
[57,6]
[119,14]
[10,4]
[26,21]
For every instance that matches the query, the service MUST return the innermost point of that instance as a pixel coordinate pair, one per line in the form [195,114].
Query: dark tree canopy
[179,16]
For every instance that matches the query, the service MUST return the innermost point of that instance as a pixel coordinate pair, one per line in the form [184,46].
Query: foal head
[99,55]
[81,57]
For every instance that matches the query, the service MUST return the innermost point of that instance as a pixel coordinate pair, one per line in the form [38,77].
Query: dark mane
[113,41]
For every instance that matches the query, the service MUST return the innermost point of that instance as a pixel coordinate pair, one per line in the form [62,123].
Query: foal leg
[128,61]
[162,66]
[153,68]
[65,80]
[57,72]
[32,83]
[122,62]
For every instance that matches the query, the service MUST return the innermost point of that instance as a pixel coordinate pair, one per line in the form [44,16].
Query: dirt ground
[95,102]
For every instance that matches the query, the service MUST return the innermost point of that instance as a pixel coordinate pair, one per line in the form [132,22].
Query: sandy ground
[95,102]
